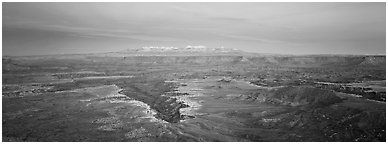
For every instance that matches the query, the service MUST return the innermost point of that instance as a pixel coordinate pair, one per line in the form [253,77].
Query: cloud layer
[288,28]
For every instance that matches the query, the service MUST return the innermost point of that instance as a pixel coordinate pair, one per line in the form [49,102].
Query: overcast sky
[286,28]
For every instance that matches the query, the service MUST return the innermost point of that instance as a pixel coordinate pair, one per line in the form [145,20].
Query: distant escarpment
[320,60]
[302,96]
[245,58]
[373,60]
[193,55]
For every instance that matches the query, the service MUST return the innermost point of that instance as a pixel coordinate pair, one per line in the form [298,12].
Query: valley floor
[115,99]
[217,110]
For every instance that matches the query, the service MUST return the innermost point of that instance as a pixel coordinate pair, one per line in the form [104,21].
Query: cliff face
[149,91]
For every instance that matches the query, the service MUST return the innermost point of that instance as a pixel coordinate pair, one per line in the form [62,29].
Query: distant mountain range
[183,51]
[189,51]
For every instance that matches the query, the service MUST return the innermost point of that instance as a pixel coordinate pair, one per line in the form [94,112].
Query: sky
[284,28]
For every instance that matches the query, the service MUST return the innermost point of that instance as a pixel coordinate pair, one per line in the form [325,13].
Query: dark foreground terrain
[213,96]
